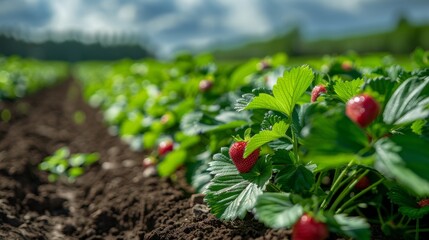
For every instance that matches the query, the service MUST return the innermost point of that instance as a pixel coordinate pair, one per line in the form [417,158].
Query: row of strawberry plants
[164,108]
[320,150]
[20,77]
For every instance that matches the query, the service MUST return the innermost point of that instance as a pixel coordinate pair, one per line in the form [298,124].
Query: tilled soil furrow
[112,200]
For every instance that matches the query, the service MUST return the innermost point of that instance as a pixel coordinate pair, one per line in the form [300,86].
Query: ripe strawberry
[363,183]
[205,85]
[317,90]
[423,202]
[164,147]
[236,153]
[362,110]
[307,228]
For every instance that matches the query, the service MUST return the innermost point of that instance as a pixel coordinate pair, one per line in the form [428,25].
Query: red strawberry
[307,228]
[362,110]
[317,90]
[164,147]
[423,202]
[236,153]
[363,183]
[205,85]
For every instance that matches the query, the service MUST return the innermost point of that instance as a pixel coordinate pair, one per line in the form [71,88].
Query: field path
[112,200]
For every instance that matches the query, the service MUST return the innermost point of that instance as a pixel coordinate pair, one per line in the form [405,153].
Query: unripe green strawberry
[423,202]
[236,153]
[317,90]
[307,228]
[362,110]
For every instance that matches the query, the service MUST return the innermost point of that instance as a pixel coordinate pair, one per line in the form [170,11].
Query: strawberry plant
[342,147]
[335,159]
[20,77]
[64,164]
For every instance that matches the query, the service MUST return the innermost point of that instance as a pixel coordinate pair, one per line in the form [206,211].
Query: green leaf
[354,227]
[132,126]
[76,160]
[277,211]
[91,158]
[409,102]
[265,136]
[270,118]
[63,152]
[384,86]
[286,92]
[260,173]
[407,204]
[197,122]
[297,179]
[414,212]
[406,159]
[347,89]
[231,194]
[75,172]
[333,135]
[242,102]
[172,161]
[419,126]
[400,197]
[324,161]
[240,75]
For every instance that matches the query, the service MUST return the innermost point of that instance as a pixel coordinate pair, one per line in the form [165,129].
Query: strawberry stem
[336,185]
[346,191]
[272,187]
[358,195]
[295,147]
[417,229]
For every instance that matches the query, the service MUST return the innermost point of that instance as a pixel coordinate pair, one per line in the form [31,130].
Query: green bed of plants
[20,77]
[328,148]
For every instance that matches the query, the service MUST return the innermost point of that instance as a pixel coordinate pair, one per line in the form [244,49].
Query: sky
[173,24]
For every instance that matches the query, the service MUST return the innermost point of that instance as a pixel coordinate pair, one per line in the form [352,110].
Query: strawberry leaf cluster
[334,157]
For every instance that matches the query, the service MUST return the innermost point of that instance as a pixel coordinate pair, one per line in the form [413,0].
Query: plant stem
[273,187]
[380,217]
[402,219]
[336,185]
[420,230]
[319,180]
[358,195]
[417,229]
[295,146]
[346,191]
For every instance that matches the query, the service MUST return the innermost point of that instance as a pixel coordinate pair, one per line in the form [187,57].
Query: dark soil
[112,200]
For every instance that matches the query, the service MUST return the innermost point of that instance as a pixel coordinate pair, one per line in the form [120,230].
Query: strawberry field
[273,148]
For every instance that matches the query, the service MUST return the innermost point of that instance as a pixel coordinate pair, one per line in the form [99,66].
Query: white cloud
[350,6]
[198,23]
[127,13]
[245,17]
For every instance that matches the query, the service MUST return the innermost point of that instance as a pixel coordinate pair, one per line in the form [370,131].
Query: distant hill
[401,40]
[70,50]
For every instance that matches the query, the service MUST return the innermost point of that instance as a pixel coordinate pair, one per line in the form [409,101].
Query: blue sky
[170,24]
